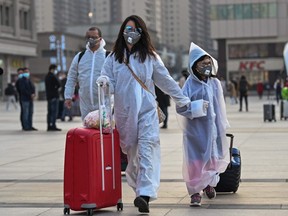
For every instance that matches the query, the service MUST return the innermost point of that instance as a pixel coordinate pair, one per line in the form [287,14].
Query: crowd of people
[199,97]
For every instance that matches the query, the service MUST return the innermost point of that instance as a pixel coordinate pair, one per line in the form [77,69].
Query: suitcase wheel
[89,212]
[119,206]
[66,211]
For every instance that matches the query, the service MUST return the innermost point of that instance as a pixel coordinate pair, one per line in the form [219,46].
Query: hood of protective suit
[102,45]
[197,52]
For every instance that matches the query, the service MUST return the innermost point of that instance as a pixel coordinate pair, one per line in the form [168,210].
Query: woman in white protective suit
[205,146]
[135,108]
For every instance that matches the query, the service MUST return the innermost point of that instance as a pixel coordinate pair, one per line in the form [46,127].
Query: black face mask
[205,71]
[92,42]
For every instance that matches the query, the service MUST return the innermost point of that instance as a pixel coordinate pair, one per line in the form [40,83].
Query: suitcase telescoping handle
[231,145]
[101,101]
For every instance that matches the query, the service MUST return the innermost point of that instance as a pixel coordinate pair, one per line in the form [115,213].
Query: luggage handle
[231,136]
[101,97]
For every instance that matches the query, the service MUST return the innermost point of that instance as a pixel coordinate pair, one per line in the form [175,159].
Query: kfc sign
[251,65]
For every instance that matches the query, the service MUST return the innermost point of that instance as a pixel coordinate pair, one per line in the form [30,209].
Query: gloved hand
[103,80]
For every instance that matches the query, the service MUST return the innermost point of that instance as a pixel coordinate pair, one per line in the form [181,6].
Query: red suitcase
[92,171]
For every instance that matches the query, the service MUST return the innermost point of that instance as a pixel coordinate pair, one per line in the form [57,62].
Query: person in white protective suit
[85,69]
[135,108]
[205,146]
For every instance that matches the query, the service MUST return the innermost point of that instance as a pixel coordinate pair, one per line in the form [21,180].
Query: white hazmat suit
[136,117]
[205,146]
[86,73]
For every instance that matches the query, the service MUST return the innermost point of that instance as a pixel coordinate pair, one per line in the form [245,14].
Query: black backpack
[82,53]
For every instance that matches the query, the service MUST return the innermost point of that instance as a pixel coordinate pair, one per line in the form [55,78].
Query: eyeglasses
[132,29]
[204,63]
[94,38]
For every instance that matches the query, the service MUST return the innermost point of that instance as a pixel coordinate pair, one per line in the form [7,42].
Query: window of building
[24,19]
[238,11]
[5,15]
[247,11]
[1,15]
[243,11]
[255,9]
[264,13]
[222,12]
[272,10]
[250,51]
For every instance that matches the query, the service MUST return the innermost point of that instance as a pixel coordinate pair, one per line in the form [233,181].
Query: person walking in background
[243,91]
[52,86]
[85,69]
[232,92]
[26,94]
[135,108]
[183,78]
[164,102]
[20,75]
[278,89]
[10,93]
[66,111]
[205,147]
[260,89]
[224,87]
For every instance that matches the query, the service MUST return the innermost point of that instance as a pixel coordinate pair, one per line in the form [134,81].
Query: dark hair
[93,28]
[143,46]
[52,67]
[19,69]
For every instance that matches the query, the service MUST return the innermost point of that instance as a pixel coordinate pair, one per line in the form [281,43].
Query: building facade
[18,39]
[55,15]
[251,35]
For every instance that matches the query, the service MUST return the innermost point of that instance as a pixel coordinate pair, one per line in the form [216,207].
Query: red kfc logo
[251,65]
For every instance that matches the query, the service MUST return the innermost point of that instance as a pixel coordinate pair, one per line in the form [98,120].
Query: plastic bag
[92,120]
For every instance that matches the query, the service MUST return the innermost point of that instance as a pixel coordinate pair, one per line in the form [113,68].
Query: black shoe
[164,127]
[53,129]
[27,129]
[142,204]
[34,129]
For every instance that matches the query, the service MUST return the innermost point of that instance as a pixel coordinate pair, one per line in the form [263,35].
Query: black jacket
[52,86]
[25,88]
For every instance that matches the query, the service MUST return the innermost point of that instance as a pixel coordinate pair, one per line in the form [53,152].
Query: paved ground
[31,168]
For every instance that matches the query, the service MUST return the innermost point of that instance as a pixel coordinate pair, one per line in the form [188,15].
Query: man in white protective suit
[84,70]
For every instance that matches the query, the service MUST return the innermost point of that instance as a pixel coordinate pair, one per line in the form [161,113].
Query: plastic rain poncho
[136,117]
[205,146]
[86,73]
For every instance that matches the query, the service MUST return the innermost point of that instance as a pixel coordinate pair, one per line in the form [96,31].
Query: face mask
[92,42]
[132,37]
[206,71]
[26,75]
[55,72]
[20,76]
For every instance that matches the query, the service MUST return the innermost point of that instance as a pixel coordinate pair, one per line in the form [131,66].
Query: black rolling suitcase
[230,179]
[269,112]
[283,109]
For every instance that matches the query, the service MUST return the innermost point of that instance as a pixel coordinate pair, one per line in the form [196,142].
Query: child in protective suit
[205,146]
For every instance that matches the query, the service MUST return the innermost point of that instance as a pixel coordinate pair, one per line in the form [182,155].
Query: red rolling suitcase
[92,170]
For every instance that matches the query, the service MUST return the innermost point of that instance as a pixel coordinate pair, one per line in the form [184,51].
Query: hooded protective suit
[205,146]
[136,117]
[86,73]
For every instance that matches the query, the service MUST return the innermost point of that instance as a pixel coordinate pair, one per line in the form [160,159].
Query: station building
[251,35]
